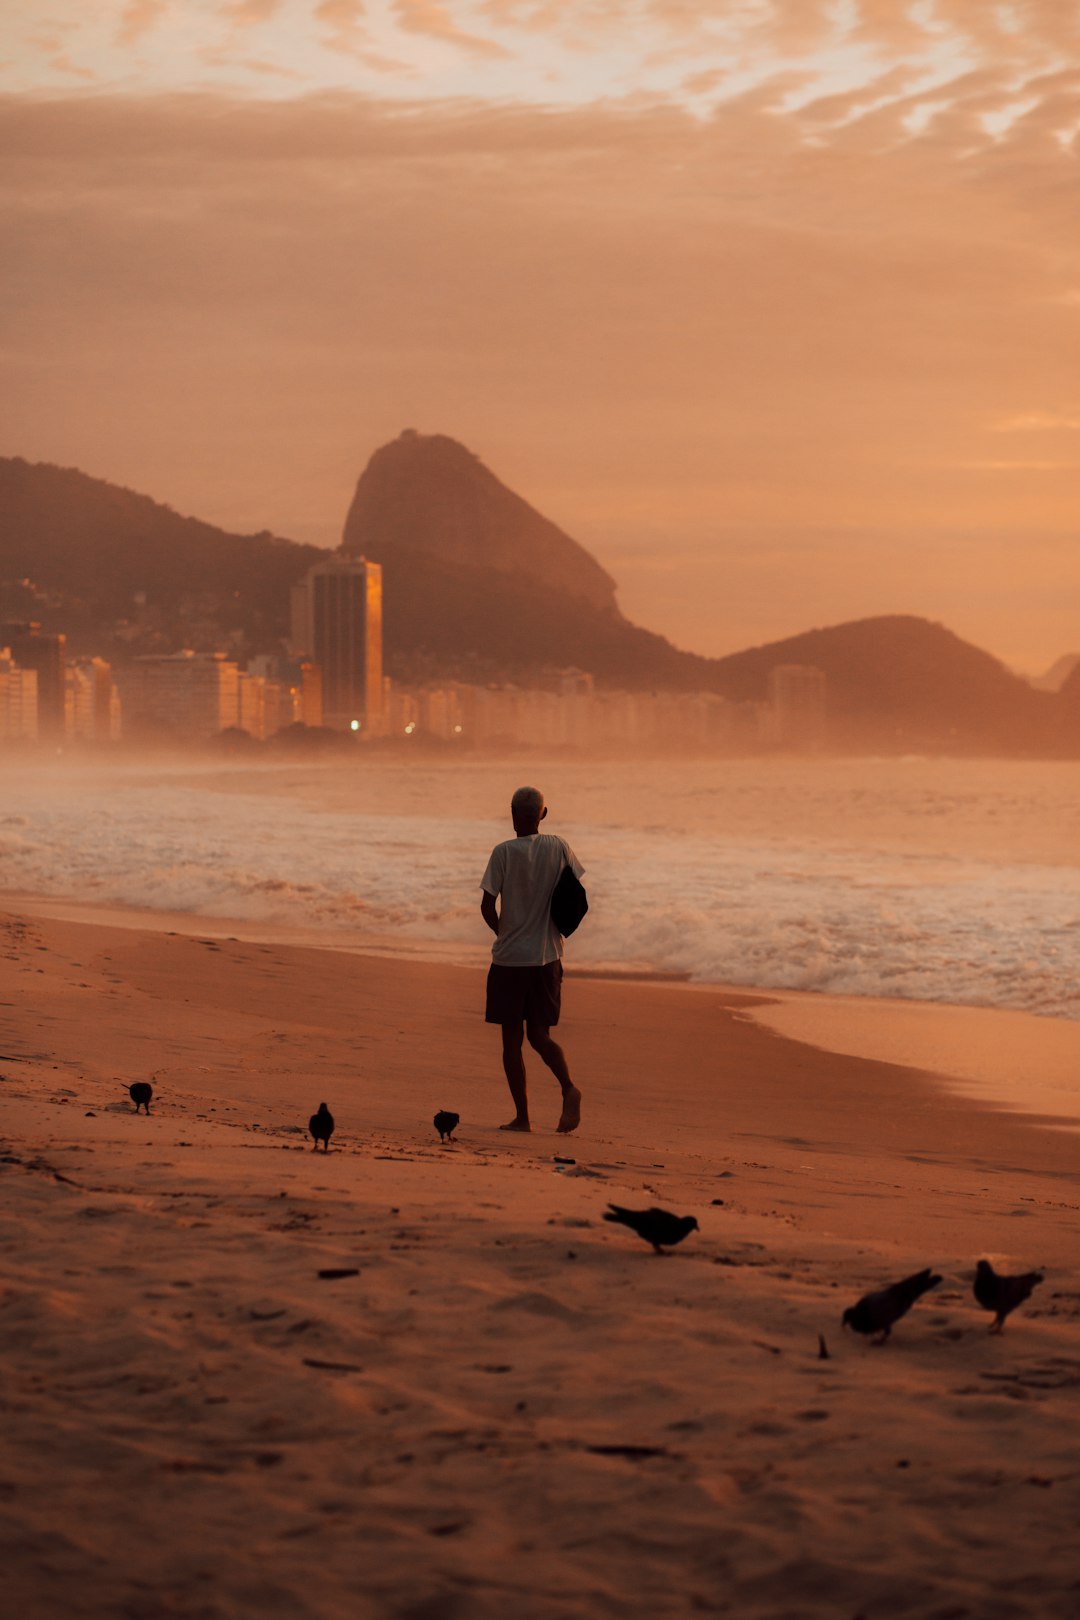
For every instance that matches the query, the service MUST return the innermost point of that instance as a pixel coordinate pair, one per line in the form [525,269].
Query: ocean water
[936,880]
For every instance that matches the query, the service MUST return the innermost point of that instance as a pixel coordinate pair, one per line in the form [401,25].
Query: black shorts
[524,995]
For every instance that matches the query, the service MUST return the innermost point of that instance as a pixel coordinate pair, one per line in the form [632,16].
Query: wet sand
[505,1406]
[1016,1059]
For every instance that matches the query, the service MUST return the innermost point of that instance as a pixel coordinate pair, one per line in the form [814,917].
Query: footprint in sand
[537,1304]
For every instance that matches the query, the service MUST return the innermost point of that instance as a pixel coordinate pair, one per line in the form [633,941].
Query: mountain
[477,586]
[425,494]
[1070,699]
[1058,673]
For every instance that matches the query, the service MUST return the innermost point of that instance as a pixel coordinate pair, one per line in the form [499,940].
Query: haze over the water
[773,306]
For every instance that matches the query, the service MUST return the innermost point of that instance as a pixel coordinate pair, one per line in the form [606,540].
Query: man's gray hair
[527,802]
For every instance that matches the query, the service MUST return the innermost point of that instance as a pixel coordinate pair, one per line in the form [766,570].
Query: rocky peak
[428,493]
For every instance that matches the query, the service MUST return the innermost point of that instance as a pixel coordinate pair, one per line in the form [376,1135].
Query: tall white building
[18,700]
[91,702]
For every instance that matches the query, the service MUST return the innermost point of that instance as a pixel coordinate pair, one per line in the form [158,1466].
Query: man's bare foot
[516,1125]
[570,1118]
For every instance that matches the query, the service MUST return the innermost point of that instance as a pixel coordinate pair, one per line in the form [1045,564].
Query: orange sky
[775,307]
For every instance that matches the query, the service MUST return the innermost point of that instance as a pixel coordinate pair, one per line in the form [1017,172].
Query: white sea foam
[931,880]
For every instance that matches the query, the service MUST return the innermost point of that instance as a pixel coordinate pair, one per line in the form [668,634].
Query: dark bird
[446,1124]
[657,1226]
[321,1126]
[877,1313]
[140,1094]
[1002,1294]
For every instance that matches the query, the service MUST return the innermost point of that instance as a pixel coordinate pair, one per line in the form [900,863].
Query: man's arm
[489,913]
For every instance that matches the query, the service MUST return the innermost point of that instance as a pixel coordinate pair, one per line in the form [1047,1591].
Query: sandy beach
[501,1405]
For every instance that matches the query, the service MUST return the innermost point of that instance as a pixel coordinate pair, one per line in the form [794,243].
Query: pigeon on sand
[657,1226]
[140,1094]
[1002,1294]
[321,1126]
[878,1313]
[446,1124]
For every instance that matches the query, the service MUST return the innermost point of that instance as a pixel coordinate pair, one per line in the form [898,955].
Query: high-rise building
[797,717]
[337,622]
[184,695]
[92,702]
[251,704]
[30,649]
[311,711]
[18,700]
[282,692]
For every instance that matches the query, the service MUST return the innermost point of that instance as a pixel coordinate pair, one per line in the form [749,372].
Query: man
[525,978]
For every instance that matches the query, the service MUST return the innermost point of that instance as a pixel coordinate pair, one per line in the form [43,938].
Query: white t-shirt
[524,871]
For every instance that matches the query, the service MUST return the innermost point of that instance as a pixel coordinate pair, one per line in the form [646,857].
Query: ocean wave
[850,913]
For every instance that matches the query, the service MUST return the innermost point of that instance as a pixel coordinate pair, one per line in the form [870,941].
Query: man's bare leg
[513,1036]
[553,1055]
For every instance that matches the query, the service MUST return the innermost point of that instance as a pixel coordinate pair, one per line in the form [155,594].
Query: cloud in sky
[542,51]
[246,12]
[436,21]
[759,360]
[136,18]
[1038,422]
[343,22]
[1021,466]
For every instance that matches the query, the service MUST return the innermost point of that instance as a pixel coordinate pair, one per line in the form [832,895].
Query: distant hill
[478,587]
[118,570]
[901,681]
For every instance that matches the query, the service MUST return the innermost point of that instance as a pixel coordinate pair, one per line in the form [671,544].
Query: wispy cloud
[137,18]
[852,61]
[228,58]
[62,62]
[434,20]
[346,32]
[1037,422]
[53,49]
[1019,466]
[250,13]
[343,24]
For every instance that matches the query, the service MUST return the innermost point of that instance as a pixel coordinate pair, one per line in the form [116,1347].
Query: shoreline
[681,1048]
[1021,1061]
[1017,1060]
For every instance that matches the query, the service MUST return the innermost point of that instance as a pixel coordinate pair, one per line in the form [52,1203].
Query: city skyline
[215,624]
[774,310]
